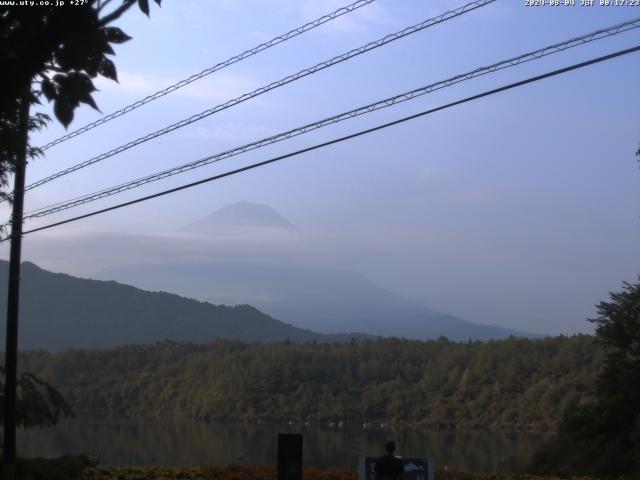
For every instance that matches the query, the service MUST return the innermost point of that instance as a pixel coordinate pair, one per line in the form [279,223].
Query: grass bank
[237,472]
[79,468]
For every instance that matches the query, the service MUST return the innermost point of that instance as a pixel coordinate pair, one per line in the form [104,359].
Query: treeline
[601,438]
[506,384]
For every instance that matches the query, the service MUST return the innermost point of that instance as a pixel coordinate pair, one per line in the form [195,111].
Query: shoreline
[329,425]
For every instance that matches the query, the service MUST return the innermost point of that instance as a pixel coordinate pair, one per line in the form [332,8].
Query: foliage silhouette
[603,437]
[38,403]
[53,52]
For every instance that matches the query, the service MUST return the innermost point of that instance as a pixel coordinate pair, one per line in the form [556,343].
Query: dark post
[289,456]
[11,350]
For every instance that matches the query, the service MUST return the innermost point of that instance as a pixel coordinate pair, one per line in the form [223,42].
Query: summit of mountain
[241,214]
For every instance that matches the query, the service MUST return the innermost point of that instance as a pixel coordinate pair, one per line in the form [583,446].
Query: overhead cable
[279,83]
[387,102]
[340,139]
[208,71]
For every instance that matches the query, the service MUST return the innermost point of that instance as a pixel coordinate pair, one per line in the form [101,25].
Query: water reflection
[173,443]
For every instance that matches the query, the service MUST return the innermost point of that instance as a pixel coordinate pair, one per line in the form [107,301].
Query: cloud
[368,16]
[217,87]
[220,87]
[230,132]
[94,249]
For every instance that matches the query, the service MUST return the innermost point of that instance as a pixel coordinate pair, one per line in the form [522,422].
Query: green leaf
[92,65]
[48,89]
[63,110]
[81,82]
[38,121]
[107,69]
[106,48]
[115,35]
[144,6]
[74,88]
[88,99]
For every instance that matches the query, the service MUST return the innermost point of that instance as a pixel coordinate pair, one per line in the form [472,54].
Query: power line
[284,81]
[341,139]
[388,102]
[208,71]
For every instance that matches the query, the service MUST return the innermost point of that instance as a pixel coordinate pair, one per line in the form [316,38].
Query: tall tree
[603,438]
[54,52]
[38,403]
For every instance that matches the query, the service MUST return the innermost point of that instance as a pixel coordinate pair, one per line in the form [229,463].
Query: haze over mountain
[319,298]
[58,311]
[464,210]
[325,300]
[239,214]
[247,253]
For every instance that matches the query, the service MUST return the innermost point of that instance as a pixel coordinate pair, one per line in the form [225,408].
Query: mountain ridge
[322,299]
[59,311]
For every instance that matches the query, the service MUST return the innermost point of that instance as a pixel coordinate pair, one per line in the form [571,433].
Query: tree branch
[117,13]
[103,4]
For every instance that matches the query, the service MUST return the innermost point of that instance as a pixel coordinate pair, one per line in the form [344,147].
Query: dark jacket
[388,468]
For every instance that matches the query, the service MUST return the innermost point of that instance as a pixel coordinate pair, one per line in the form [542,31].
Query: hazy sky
[520,209]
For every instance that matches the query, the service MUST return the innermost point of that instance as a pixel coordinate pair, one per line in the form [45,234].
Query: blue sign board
[414,468]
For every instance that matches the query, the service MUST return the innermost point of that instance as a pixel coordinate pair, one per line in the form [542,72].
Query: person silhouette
[389,467]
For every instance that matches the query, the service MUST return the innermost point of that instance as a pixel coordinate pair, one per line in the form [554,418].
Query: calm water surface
[189,443]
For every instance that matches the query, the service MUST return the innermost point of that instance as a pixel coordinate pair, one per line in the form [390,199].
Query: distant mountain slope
[321,299]
[241,214]
[58,311]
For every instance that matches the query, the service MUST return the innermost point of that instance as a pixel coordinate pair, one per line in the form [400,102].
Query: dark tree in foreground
[53,52]
[38,403]
[603,438]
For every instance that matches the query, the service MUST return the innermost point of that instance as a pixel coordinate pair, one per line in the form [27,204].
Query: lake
[190,443]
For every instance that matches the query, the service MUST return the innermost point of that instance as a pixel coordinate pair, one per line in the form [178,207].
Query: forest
[504,384]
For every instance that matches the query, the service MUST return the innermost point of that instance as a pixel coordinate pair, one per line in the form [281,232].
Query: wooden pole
[13,300]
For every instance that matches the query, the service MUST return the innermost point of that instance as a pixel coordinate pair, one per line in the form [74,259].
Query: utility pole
[13,300]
